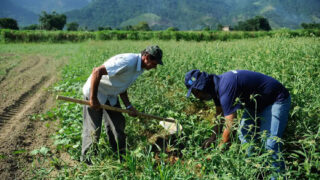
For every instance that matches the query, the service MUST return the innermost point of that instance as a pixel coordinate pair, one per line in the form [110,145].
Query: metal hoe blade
[171,128]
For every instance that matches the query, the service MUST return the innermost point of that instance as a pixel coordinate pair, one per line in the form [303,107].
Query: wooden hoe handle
[79,101]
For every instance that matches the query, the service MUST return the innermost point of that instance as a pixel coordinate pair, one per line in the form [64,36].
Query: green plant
[291,59]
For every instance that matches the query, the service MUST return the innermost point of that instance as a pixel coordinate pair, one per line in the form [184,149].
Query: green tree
[263,23]
[52,21]
[8,23]
[31,27]
[311,25]
[257,23]
[173,29]
[73,26]
[142,26]
[128,28]
[101,28]
[219,27]
[107,28]
[206,28]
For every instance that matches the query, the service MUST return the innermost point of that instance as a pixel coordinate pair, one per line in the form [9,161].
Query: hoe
[170,125]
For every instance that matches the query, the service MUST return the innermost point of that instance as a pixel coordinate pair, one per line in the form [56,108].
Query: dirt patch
[24,91]
[7,63]
[202,109]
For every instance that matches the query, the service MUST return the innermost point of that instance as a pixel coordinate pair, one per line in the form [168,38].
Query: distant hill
[195,14]
[23,16]
[284,13]
[161,14]
[27,12]
[37,6]
[185,14]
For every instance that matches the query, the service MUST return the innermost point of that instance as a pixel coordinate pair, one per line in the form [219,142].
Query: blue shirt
[242,84]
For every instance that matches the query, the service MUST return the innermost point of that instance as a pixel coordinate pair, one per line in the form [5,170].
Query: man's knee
[274,143]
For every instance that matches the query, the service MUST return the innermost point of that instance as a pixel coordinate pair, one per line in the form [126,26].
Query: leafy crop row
[293,61]
[63,36]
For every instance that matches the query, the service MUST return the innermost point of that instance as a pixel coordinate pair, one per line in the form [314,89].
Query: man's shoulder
[228,77]
[125,58]
[126,55]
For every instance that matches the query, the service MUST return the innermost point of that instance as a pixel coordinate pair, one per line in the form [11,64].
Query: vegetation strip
[7,36]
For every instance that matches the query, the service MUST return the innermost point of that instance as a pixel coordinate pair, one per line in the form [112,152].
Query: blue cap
[194,79]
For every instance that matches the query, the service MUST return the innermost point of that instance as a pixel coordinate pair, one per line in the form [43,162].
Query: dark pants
[114,127]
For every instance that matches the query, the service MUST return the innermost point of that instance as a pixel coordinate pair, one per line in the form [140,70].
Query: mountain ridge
[161,14]
[51,5]
[23,16]
[196,14]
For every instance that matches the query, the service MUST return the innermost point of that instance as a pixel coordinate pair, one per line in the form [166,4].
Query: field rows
[295,62]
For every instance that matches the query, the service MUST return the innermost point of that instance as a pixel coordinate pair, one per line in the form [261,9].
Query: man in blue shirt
[265,100]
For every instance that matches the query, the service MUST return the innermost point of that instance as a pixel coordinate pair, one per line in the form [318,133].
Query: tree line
[47,21]
[56,21]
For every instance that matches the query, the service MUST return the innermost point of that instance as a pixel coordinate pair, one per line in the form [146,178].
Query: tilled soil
[24,92]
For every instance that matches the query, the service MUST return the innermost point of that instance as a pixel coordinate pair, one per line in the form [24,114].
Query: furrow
[13,109]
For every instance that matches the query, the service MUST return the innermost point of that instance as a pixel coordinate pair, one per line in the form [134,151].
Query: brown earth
[24,92]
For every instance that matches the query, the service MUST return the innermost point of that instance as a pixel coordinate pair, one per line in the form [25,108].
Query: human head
[199,84]
[151,57]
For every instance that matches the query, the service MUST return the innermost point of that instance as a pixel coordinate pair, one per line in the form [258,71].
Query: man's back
[122,70]
[243,84]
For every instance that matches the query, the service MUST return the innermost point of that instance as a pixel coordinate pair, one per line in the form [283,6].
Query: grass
[293,61]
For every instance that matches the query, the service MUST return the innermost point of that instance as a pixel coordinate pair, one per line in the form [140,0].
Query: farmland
[295,62]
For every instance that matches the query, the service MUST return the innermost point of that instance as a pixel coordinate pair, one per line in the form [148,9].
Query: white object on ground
[172,128]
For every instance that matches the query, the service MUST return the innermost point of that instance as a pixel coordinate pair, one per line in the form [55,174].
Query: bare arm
[228,128]
[216,129]
[125,99]
[97,73]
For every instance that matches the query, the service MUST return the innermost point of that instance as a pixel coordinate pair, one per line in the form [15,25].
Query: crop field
[295,62]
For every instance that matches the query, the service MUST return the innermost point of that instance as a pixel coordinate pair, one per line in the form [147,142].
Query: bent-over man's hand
[134,112]
[94,104]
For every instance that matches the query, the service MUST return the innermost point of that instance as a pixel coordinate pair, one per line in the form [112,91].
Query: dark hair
[144,53]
